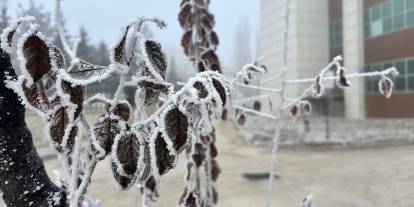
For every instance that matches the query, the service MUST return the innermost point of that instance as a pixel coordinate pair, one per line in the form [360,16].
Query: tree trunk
[23,178]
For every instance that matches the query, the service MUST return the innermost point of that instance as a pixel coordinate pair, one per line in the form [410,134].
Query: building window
[389,16]
[403,83]
[335,34]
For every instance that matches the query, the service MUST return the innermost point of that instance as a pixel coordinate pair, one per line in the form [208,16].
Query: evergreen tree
[86,51]
[102,54]
[43,18]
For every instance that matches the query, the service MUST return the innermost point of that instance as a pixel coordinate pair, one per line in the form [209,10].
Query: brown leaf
[207,19]
[153,89]
[189,199]
[59,122]
[49,80]
[147,162]
[127,153]
[104,133]
[224,115]
[176,126]
[307,107]
[123,181]
[76,94]
[317,89]
[201,67]
[156,57]
[215,170]
[11,34]
[212,60]
[36,53]
[199,154]
[220,90]
[186,42]
[123,110]
[213,150]
[86,71]
[164,160]
[202,91]
[58,58]
[257,105]
[119,52]
[36,96]
[241,120]
[185,16]
[294,111]
[214,39]
[342,80]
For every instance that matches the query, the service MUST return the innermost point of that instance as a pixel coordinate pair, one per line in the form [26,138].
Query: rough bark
[23,178]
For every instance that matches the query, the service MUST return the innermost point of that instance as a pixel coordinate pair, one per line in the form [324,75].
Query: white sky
[104,18]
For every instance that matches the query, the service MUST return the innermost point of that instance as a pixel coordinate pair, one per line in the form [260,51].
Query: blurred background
[356,148]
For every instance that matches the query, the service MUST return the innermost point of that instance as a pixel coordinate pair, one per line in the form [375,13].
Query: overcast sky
[104,18]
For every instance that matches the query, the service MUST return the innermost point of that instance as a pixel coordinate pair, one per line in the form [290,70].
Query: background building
[369,34]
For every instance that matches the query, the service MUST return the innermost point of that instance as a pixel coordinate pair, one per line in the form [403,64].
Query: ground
[362,177]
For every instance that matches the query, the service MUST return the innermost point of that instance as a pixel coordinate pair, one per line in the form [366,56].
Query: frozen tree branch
[23,178]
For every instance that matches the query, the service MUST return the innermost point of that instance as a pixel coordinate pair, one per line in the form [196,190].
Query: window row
[335,34]
[389,16]
[403,83]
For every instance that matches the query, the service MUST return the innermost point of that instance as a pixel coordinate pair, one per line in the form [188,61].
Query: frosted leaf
[385,86]
[123,110]
[103,135]
[317,88]
[164,160]
[153,89]
[62,132]
[118,55]
[294,111]
[342,81]
[199,154]
[214,39]
[36,54]
[307,202]
[76,94]
[241,120]
[57,57]
[189,199]
[7,36]
[156,57]
[146,171]
[36,96]
[126,154]
[84,73]
[49,80]
[124,182]
[202,91]
[211,60]
[213,150]
[224,115]
[207,19]
[185,16]
[186,42]
[221,90]
[8,33]
[151,185]
[176,126]
[307,107]
[257,105]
